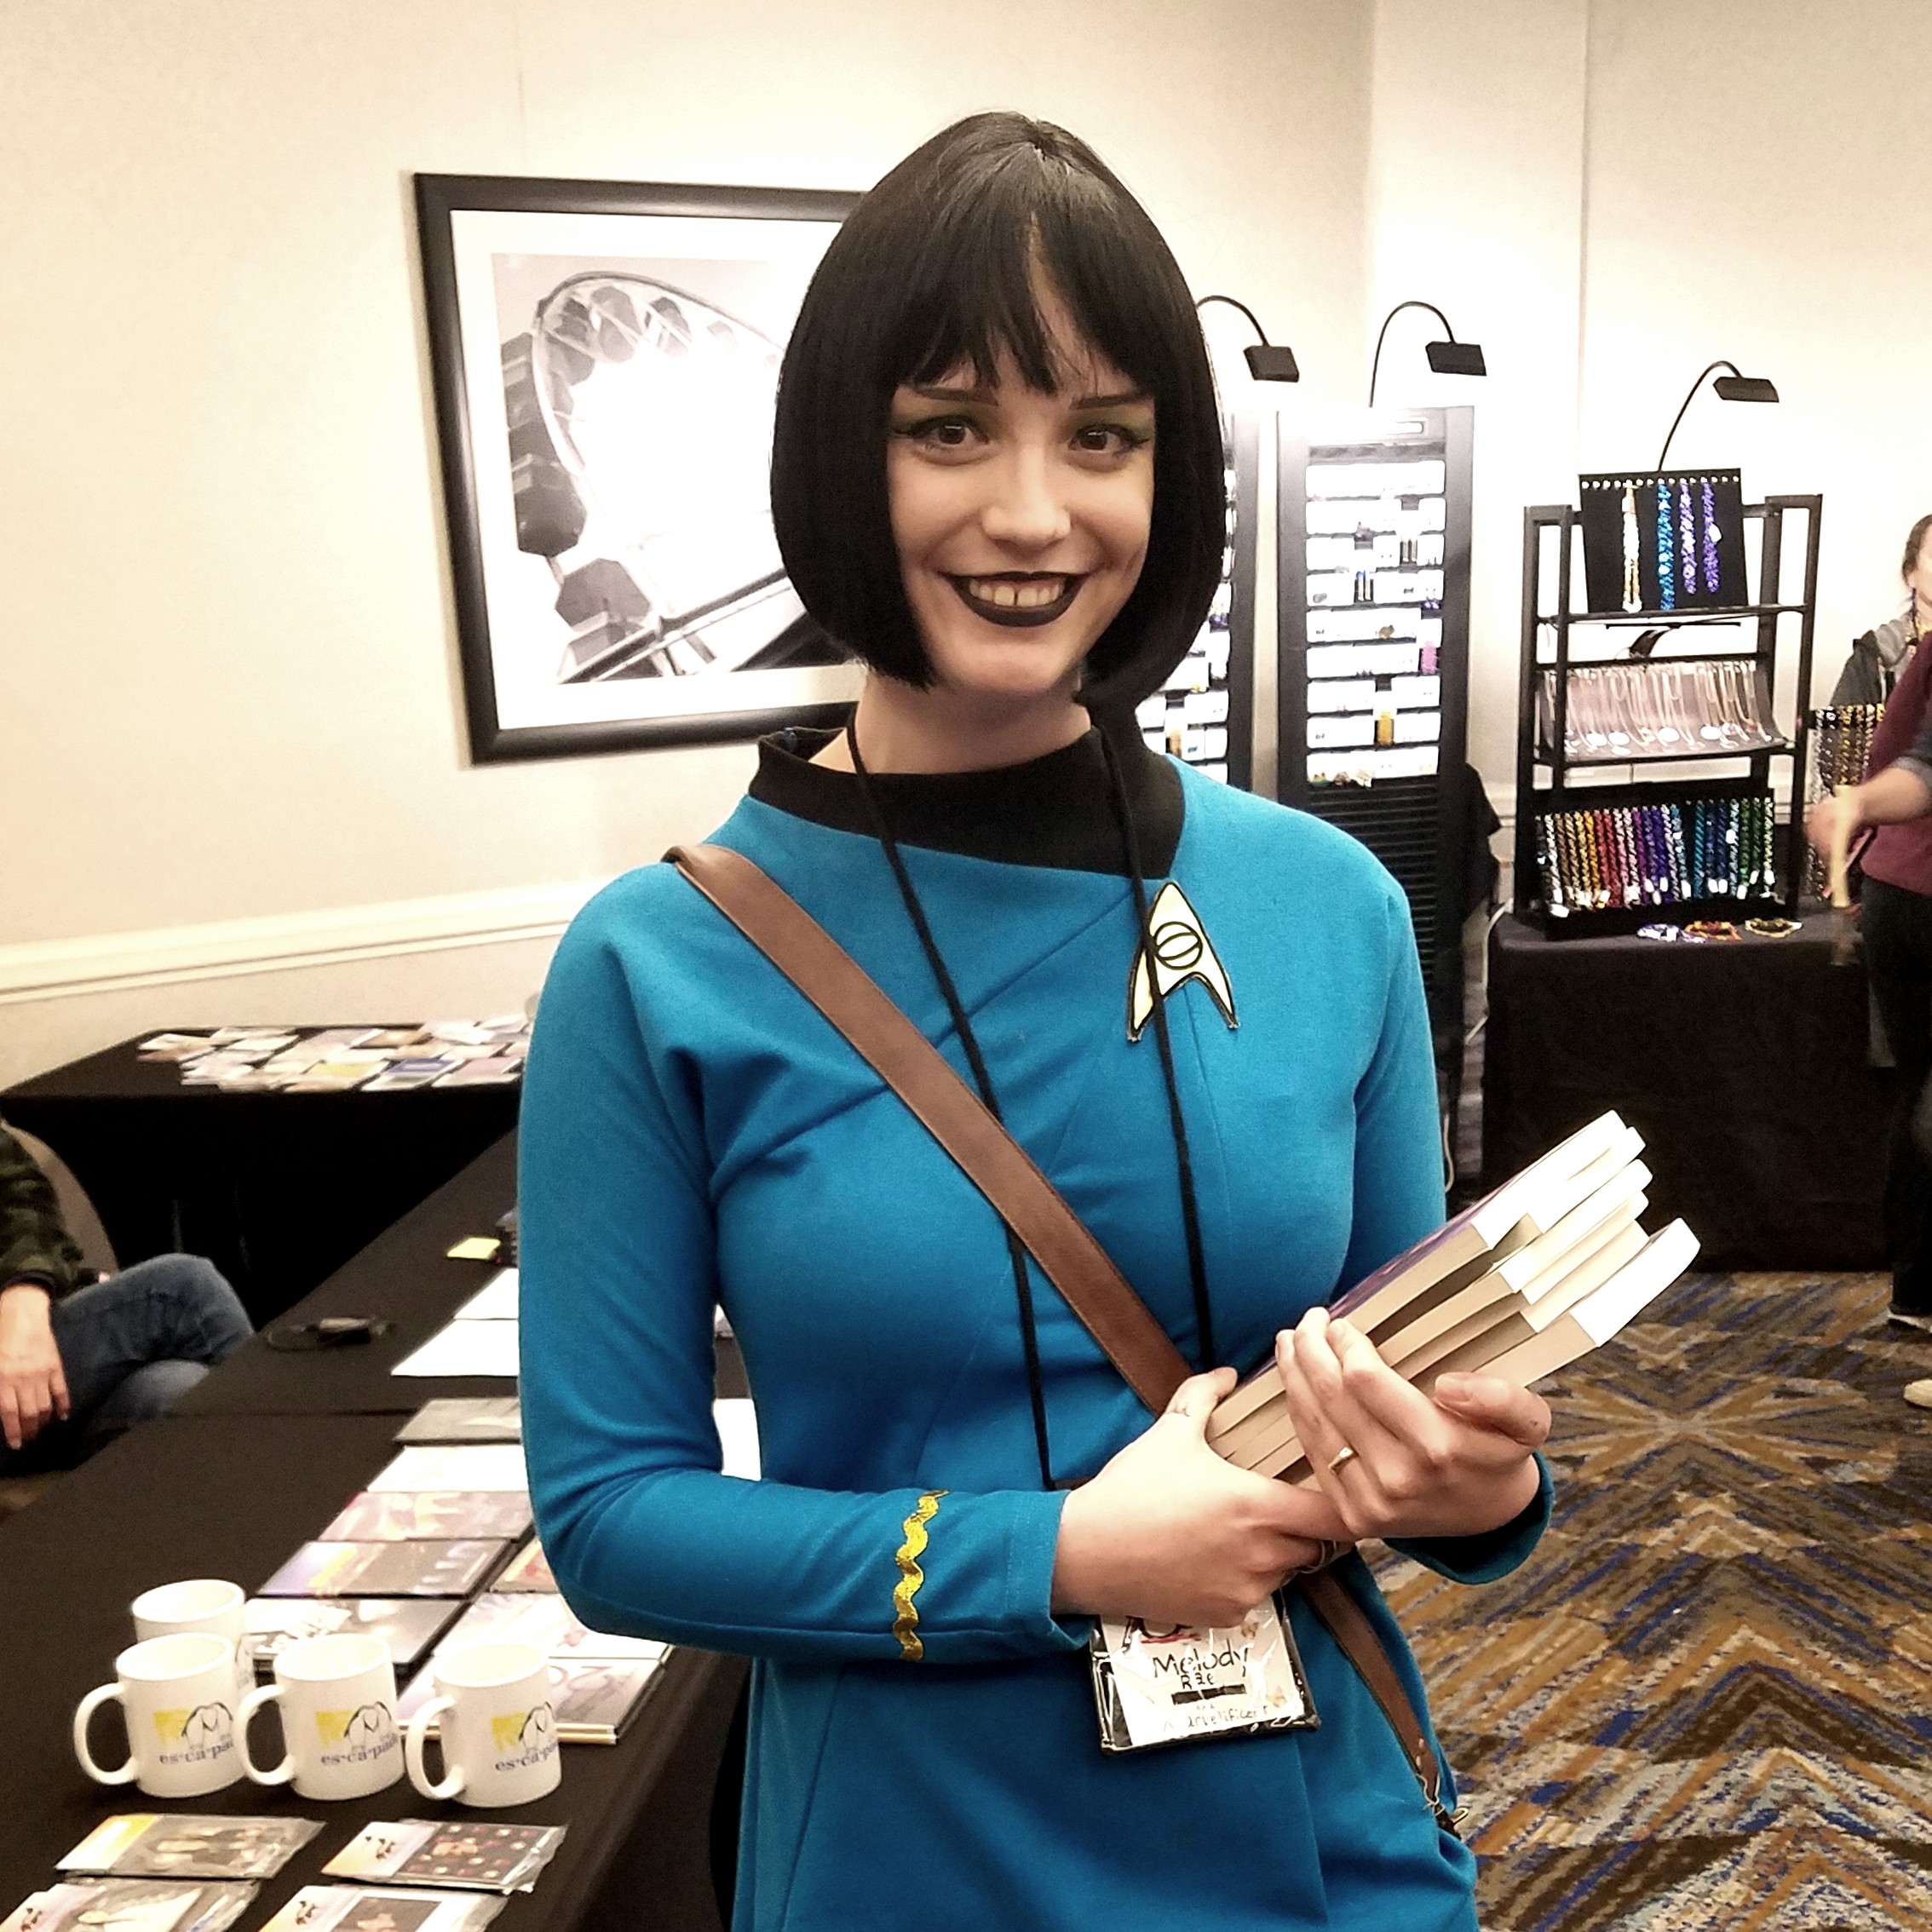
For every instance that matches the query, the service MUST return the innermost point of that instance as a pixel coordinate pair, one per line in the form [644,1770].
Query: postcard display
[1649,783]
[1372,635]
[1205,714]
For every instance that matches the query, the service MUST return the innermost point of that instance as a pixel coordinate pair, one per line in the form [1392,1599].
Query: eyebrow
[933,393]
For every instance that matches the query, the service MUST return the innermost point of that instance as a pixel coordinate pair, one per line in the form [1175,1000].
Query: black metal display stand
[1551,780]
[1372,588]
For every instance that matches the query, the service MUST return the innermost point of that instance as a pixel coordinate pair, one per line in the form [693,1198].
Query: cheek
[1121,517]
[923,501]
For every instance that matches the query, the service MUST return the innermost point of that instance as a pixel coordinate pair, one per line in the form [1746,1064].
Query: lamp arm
[1375,368]
[1722,363]
[1254,320]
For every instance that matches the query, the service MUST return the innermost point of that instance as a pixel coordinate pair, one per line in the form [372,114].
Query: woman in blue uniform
[998,478]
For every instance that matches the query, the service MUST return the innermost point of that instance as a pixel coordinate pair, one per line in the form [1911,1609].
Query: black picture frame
[586,712]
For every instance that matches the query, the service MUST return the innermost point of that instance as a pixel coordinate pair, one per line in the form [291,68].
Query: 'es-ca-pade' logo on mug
[358,1736]
[194,1734]
[522,1737]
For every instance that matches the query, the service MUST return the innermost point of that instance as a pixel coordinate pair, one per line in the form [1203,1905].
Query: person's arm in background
[38,1263]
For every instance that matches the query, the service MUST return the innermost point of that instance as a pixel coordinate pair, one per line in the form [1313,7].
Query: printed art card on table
[368,1908]
[408,1625]
[406,1515]
[457,1851]
[386,1569]
[133,1905]
[455,1419]
[166,1844]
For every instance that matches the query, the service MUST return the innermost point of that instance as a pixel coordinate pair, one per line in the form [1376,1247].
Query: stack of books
[1551,1265]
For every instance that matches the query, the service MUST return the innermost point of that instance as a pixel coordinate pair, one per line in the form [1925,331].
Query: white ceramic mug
[496,1727]
[205,1604]
[178,1695]
[338,1699]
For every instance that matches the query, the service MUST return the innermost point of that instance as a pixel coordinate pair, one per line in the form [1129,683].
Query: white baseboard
[224,949]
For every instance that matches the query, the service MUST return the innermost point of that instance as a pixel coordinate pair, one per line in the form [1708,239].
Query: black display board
[1663,540]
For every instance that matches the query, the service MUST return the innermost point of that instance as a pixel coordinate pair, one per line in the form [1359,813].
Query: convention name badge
[1163,1684]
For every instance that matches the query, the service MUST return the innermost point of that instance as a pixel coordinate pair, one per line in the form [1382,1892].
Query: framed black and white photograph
[605,358]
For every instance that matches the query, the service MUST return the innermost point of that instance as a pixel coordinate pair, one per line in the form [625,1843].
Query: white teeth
[1004,595]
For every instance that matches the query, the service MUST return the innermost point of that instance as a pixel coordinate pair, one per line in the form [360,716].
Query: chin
[1009,677]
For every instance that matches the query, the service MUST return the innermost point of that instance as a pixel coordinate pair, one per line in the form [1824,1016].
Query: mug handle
[413,1742]
[89,1704]
[250,1704]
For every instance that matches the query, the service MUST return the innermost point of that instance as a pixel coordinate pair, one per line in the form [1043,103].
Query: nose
[1023,509]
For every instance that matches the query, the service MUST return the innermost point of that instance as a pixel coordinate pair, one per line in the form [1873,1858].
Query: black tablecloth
[230,1496]
[1744,1064]
[277,1189]
[405,1276]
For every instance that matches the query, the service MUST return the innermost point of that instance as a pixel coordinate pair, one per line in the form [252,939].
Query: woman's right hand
[1171,1532]
[1822,820]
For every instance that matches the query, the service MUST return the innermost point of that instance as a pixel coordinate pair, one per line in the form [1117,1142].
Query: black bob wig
[935,270]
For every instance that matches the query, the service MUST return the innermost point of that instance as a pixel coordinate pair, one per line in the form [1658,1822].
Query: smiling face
[1021,518]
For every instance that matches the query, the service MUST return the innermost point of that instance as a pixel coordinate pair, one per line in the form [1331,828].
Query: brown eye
[946,435]
[1107,439]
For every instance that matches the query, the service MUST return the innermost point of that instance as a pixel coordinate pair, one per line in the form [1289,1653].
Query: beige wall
[226,669]
[1609,194]
[227,686]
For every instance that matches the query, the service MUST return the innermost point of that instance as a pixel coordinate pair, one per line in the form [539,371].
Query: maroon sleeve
[1904,722]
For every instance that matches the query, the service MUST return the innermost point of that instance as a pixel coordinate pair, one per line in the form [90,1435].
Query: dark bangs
[933,271]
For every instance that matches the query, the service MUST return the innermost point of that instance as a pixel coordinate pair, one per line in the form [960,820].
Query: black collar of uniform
[1052,811]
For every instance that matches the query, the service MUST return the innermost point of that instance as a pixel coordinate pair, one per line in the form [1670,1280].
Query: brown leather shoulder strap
[1068,1255]
[901,1055]
[1328,1597]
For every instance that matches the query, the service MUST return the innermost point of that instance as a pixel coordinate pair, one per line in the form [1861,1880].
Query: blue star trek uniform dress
[924,1749]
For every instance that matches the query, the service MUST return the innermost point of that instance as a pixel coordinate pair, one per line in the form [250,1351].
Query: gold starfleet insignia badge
[1175,950]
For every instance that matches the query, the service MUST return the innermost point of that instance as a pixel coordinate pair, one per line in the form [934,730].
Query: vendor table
[230,1496]
[1744,1064]
[255,1462]
[277,1189]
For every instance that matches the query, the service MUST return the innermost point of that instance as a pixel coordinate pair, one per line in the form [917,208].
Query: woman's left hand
[1457,1463]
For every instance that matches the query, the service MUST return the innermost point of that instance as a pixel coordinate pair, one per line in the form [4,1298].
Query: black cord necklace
[1016,1254]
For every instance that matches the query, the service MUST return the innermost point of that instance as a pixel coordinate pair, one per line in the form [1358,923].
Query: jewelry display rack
[1373,639]
[1552,780]
[1205,714]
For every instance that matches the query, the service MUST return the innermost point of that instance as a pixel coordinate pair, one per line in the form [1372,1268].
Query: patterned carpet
[1706,1701]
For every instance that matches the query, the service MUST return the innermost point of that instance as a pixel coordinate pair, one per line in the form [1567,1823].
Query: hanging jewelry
[1710,536]
[1666,551]
[1633,586]
[1687,539]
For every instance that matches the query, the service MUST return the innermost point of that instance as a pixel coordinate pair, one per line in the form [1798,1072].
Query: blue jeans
[131,1347]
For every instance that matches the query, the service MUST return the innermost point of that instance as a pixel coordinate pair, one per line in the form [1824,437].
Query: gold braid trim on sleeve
[905,1626]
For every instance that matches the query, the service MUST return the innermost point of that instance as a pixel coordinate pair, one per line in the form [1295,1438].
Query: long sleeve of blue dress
[617,1382]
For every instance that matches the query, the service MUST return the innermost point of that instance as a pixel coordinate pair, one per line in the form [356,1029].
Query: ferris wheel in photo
[640,423]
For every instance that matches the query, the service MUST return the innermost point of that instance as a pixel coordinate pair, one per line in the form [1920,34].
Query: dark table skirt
[1744,1066]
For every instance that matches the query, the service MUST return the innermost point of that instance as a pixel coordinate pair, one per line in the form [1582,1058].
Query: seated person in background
[80,1358]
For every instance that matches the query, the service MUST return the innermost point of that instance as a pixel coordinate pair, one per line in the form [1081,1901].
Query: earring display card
[1660,541]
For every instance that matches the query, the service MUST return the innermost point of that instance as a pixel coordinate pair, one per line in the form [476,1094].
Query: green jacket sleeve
[35,1244]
